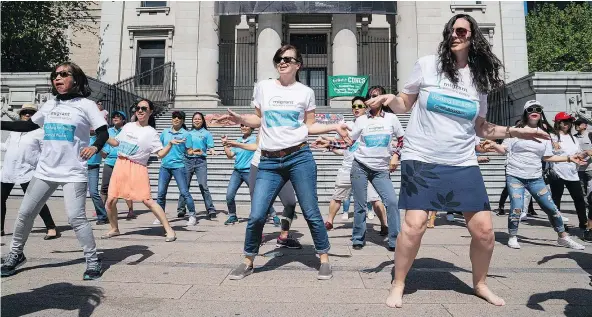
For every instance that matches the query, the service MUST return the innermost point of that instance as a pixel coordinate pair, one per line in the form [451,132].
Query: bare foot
[395,298]
[111,234]
[52,232]
[484,292]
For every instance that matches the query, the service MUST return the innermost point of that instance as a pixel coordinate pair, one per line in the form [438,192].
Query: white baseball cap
[531,103]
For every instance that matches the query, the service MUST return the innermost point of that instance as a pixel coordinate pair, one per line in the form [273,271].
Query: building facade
[221,49]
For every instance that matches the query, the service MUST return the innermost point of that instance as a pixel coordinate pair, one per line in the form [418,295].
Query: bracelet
[568,159]
[508,131]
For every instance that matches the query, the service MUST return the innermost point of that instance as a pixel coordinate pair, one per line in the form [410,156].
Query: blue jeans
[381,180]
[301,169]
[541,194]
[93,190]
[199,167]
[236,180]
[164,179]
[346,204]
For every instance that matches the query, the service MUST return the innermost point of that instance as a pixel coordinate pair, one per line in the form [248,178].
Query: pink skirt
[129,181]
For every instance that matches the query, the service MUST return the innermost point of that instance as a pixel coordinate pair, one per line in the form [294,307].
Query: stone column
[345,51]
[269,39]
[406,49]
[207,56]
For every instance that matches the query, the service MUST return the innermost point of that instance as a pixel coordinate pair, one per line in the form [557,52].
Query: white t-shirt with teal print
[348,154]
[242,158]
[137,143]
[201,139]
[176,157]
[375,136]
[441,128]
[282,113]
[66,125]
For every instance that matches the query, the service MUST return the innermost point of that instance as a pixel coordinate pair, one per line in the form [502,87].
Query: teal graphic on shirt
[127,149]
[354,147]
[282,118]
[377,140]
[451,105]
[95,159]
[242,158]
[201,139]
[111,151]
[59,132]
[175,158]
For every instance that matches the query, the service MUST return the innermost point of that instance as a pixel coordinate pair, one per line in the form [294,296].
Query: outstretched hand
[343,131]
[534,134]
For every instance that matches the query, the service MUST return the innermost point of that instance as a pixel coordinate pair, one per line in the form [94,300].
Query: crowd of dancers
[62,145]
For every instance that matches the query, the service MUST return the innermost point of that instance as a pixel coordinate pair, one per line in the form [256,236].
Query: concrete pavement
[144,276]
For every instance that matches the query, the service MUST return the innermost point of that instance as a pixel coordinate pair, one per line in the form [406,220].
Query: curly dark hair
[484,65]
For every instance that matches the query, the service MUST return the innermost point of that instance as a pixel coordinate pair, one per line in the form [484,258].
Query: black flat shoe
[48,237]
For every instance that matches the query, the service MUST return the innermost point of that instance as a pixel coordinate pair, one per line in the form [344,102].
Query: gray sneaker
[325,271]
[240,272]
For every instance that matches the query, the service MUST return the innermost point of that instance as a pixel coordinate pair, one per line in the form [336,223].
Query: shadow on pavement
[578,301]
[430,274]
[82,298]
[108,257]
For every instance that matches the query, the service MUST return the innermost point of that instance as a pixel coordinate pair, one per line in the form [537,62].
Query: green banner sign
[347,86]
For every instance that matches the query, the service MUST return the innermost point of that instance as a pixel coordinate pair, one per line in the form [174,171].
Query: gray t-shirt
[585,144]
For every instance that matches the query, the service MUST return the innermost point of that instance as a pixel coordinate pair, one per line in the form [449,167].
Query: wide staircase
[220,167]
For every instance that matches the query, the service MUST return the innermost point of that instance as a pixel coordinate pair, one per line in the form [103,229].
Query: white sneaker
[345,216]
[513,242]
[523,216]
[565,219]
[156,222]
[569,243]
[450,217]
[371,215]
[192,221]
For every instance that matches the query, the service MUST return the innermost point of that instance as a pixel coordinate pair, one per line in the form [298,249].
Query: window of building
[310,43]
[151,55]
[316,79]
[153,4]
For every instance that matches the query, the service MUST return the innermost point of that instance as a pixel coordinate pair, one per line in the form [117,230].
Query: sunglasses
[178,117]
[460,32]
[27,112]
[359,107]
[62,74]
[534,109]
[286,59]
[145,109]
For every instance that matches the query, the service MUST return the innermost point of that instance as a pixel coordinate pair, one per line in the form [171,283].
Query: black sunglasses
[62,74]
[534,109]
[286,59]
[27,112]
[176,116]
[460,32]
[145,109]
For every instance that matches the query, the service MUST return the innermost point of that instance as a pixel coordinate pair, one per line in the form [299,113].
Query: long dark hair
[285,48]
[557,129]
[80,87]
[203,119]
[151,120]
[543,124]
[484,65]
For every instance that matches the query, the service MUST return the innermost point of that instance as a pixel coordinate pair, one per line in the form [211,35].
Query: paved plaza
[144,276]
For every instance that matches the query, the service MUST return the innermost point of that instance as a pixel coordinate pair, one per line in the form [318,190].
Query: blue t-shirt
[95,159]
[201,139]
[175,158]
[242,158]
[110,150]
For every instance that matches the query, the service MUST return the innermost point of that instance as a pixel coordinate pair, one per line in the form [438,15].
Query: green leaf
[421,182]
[441,199]
[453,204]
[412,188]
[450,196]
[436,205]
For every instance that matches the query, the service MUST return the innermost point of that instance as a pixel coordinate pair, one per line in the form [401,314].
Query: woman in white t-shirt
[447,93]
[524,171]
[565,174]
[135,143]
[285,111]
[67,121]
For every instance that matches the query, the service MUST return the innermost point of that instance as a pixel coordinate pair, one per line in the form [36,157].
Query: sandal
[110,235]
[170,239]
[431,220]
[48,237]
[130,215]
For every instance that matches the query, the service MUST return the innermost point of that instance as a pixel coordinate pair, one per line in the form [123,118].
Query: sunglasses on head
[145,109]
[286,59]
[62,74]
[358,106]
[534,109]
[460,32]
